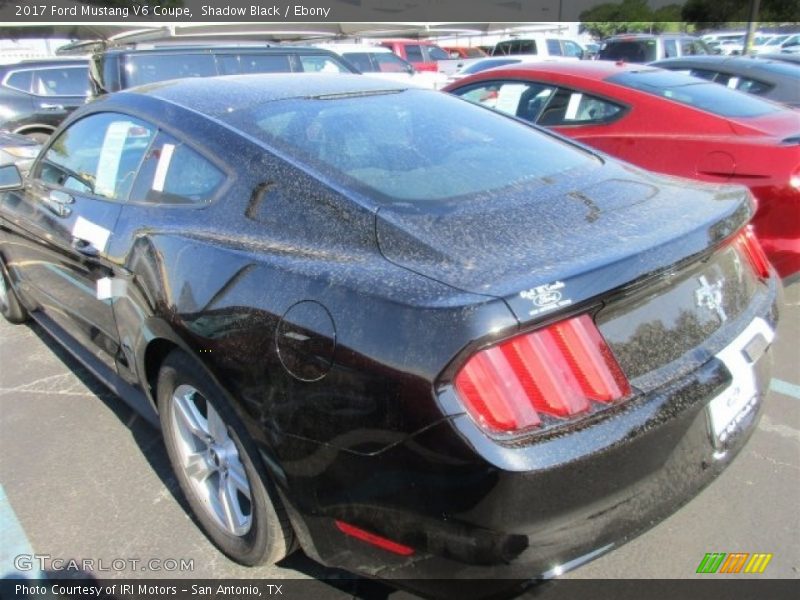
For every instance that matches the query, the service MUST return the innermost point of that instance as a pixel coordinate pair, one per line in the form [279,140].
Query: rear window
[635,51]
[688,90]
[384,145]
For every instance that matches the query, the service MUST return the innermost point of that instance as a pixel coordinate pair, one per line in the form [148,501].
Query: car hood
[566,239]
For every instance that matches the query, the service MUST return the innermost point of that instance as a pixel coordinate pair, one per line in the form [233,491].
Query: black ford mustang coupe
[412,335]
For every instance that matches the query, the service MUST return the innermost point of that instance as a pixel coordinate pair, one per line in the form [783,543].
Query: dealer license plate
[734,405]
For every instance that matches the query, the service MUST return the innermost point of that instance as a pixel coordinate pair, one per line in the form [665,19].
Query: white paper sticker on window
[508,97]
[110,155]
[91,232]
[163,166]
[572,107]
[733,82]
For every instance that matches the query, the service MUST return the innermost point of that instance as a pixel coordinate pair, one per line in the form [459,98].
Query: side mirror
[10,178]
[455,55]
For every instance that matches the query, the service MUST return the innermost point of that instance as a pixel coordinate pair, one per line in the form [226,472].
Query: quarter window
[173,173]
[98,155]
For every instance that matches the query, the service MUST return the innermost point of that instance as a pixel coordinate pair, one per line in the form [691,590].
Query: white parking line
[785,388]
[15,543]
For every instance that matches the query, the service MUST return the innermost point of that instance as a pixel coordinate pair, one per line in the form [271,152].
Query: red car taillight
[749,246]
[557,371]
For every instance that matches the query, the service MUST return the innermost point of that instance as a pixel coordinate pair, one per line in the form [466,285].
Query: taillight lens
[751,248]
[557,371]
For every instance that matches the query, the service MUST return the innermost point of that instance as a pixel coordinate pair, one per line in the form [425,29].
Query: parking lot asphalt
[84,478]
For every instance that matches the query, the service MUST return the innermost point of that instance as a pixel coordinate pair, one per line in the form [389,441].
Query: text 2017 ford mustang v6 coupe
[418,337]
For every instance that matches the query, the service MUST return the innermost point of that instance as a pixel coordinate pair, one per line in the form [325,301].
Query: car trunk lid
[548,247]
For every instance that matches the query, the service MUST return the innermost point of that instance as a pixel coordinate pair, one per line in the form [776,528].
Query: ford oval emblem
[546,298]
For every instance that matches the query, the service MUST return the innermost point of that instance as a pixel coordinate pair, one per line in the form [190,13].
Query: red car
[669,122]
[422,54]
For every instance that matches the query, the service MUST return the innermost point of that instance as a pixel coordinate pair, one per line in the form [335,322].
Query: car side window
[360,60]
[61,81]
[413,53]
[173,173]
[525,100]
[21,81]
[553,47]
[150,68]
[570,107]
[390,63]
[572,49]
[436,53]
[320,64]
[670,48]
[234,64]
[97,155]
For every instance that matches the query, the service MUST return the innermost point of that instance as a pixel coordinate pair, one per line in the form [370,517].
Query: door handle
[46,106]
[60,197]
[84,247]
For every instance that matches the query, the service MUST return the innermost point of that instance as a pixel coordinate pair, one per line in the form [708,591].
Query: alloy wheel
[210,459]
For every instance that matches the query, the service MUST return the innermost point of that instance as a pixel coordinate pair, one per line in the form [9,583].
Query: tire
[10,306]
[218,467]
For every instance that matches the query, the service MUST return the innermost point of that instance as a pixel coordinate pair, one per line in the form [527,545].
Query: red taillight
[752,249]
[557,371]
[374,539]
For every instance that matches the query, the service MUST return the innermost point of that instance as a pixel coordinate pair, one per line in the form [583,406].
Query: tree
[706,14]
[629,16]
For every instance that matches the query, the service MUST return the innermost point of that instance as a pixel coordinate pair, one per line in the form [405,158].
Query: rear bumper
[473,509]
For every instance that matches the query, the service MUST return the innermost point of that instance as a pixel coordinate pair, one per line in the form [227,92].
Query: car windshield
[409,145]
[707,96]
